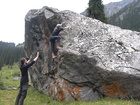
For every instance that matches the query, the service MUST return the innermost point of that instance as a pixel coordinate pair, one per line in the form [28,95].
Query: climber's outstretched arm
[36,56]
[29,59]
[66,27]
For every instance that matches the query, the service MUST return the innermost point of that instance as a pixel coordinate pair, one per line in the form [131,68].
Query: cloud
[13,13]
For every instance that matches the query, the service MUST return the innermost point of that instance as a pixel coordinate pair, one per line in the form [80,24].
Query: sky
[12,14]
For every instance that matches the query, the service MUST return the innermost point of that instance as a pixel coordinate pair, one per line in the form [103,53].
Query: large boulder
[97,60]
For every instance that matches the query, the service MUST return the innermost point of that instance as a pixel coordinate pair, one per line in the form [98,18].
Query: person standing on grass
[24,78]
[55,38]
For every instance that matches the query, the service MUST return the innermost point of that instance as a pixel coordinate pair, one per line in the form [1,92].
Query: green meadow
[36,97]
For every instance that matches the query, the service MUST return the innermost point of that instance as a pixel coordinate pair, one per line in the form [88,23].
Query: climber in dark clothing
[24,79]
[55,38]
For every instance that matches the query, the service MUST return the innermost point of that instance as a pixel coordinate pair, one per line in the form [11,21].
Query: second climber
[55,38]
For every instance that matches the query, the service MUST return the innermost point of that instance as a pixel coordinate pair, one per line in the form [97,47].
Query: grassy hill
[36,97]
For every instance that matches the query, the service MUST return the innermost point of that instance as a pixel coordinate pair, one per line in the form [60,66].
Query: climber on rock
[55,39]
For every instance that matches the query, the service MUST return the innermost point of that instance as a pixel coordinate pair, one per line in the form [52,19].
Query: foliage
[128,17]
[120,43]
[96,10]
[9,53]
[1,82]
[16,74]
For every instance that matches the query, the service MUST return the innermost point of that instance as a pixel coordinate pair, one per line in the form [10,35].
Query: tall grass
[8,74]
[35,97]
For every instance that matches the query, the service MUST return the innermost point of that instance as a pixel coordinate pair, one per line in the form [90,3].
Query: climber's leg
[18,97]
[23,94]
[58,46]
[58,43]
[52,40]
[53,55]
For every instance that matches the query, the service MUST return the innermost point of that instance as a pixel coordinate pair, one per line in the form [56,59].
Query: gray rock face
[97,60]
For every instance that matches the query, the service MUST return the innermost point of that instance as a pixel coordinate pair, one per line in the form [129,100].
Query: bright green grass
[35,97]
[8,74]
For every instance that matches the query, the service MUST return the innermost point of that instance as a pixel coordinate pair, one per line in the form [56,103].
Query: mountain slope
[114,7]
[128,17]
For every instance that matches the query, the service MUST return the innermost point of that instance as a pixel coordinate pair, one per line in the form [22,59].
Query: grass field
[34,97]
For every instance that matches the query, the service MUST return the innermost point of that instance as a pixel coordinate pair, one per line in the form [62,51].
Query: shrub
[1,82]
[16,74]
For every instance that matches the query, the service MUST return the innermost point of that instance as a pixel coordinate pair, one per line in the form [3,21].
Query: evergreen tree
[1,62]
[9,53]
[96,10]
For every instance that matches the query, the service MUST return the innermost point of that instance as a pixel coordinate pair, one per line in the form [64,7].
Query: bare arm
[35,59]
[31,63]
[66,27]
[29,59]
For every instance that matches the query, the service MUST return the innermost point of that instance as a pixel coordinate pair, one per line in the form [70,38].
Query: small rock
[16,78]
[8,87]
